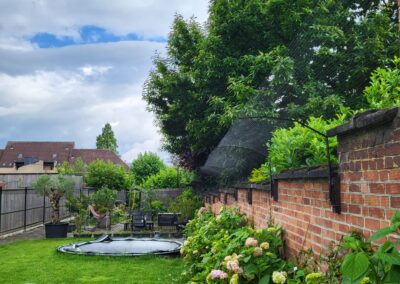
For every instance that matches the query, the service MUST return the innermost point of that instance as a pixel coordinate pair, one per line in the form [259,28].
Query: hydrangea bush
[224,249]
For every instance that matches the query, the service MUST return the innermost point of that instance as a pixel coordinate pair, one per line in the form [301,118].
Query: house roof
[57,152]
[91,155]
[46,151]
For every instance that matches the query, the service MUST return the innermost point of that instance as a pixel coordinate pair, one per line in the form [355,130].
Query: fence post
[26,193]
[1,201]
[44,209]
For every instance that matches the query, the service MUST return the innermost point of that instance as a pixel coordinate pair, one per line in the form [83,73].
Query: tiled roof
[59,152]
[90,155]
[45,151]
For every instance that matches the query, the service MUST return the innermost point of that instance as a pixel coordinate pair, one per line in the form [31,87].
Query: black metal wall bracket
[235,194]
[250,196]
[274,190]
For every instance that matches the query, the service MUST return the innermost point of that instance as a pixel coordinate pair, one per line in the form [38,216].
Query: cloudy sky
[69,66]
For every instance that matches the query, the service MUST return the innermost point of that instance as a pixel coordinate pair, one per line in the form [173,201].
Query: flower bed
[225,249]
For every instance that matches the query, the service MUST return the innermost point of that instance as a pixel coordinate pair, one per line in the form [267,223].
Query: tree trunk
[55,212]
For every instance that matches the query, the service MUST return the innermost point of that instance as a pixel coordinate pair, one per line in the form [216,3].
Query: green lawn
[38,262]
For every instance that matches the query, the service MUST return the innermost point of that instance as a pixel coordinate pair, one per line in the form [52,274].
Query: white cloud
[70,93]
[150,18]
[90,70]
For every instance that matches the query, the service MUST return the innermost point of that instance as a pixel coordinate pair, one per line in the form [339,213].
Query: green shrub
[146,165]
[157,207]
[102,174]
[186,203]
[365,264]
[384,89]
[168,178]
[104,199]
[226,246]
[298,146]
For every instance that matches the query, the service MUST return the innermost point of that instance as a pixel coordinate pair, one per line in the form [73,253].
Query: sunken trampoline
[108,246]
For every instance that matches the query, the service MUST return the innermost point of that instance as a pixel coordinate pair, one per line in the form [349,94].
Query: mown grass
[38,262]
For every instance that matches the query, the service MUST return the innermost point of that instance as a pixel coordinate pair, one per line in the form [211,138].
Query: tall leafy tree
[107,140]
[145,165]
[288,58]
[106,174]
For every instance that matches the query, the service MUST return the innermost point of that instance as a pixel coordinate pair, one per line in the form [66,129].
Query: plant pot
[59,230]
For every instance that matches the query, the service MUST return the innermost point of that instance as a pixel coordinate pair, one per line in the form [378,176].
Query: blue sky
[69,66]
[88,35]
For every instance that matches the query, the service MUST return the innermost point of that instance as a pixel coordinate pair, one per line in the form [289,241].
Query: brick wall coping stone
[256,186]
[227,190]
[367,119]
[305,173]
[319,172]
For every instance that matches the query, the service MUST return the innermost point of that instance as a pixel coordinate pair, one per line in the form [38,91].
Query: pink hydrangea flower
[251,242]
[218,274]
[233,265]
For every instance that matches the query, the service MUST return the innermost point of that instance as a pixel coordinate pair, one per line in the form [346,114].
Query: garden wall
[369,173]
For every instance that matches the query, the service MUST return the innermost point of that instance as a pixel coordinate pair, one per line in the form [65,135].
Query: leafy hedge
[168,178]
[298,146]
[384,89]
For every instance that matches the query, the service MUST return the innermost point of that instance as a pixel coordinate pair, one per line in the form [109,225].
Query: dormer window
[19,156]
[19,164]
[48,166]
[54,156]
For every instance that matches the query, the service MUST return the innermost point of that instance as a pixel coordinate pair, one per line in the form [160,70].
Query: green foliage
[146,165]
[157,207]
[364,262]
[384,89]
[295,58]
[298,146]
[78,206]
[225,244]
[103,199]
[106,174]
[106,140]
[78,167]
[120,214]
[54,187]
[168,178]
[187,204]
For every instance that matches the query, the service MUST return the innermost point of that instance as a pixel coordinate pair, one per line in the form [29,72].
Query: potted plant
[78,207]
[54,187]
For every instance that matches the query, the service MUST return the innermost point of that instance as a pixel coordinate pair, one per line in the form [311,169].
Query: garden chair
[168,220]
[138,220]
[148,218]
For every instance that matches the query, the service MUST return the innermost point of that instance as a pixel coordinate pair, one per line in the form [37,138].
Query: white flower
[279,277]
[264,245]
[257,251]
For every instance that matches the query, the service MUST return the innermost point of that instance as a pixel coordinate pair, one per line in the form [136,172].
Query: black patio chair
[138,220]
[148,218]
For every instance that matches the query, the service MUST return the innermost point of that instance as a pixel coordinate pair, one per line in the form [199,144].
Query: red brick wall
[370,193]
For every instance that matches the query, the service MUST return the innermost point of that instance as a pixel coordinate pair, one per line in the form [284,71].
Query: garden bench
[169,220]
